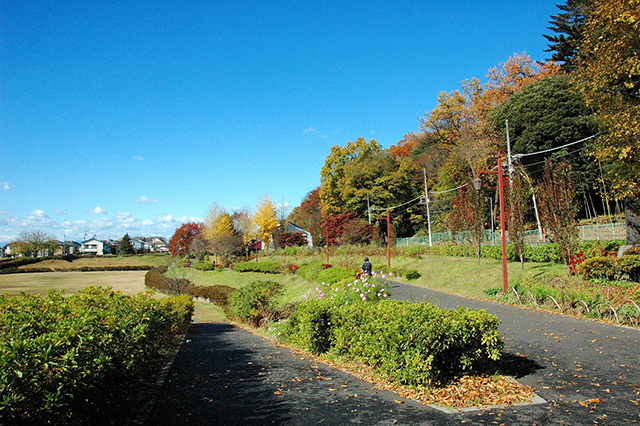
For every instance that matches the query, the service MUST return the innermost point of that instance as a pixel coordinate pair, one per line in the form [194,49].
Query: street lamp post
[477,184]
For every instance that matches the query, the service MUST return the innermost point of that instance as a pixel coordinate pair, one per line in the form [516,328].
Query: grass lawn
[462,276]
[457,275]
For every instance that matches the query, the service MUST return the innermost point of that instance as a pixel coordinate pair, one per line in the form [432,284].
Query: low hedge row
[79,269]
[203,265]
[155,280]
[411,344]
[216,294]
[264,267]
[63,358]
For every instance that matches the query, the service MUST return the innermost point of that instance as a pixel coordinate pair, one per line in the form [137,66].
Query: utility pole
[388,239]
[426,194]
[509,154]
[369,208]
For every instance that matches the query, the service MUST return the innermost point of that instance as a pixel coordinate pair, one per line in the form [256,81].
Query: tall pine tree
[569,27]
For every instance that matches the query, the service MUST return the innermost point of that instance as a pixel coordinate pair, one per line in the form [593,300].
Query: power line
[517,156]
[395,207]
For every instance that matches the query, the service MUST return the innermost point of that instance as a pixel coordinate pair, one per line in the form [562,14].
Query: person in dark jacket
[366,267]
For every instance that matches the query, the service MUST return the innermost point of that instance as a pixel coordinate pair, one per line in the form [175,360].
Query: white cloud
[60,212]
[38,214]
[102,227]
[5,185]
[137,158]
[144,199]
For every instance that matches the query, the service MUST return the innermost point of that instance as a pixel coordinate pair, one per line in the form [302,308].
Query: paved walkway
[227,376]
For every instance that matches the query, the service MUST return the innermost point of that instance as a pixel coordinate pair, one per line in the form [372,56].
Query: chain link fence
[607,232]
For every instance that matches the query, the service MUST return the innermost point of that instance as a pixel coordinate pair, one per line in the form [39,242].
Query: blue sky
[135,116]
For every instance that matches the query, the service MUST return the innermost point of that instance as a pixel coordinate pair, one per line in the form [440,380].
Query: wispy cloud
[138,158]
[314,132]
[60,212]
[5,185]
[98,210]
[144,199]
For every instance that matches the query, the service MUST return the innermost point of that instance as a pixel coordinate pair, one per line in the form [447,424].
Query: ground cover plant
[64,359]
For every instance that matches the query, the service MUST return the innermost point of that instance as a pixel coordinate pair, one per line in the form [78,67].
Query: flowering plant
[362,289]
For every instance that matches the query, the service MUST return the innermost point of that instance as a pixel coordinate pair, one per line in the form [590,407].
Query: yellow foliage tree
[265,218]
[218,224]
[609,75]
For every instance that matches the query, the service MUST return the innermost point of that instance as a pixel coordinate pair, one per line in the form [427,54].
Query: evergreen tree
[569,28]
[125,245]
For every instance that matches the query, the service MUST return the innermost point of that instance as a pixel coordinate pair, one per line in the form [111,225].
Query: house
[68,247]
[9,250]
[291,227]
[157,244]
[93,246]
[138,245]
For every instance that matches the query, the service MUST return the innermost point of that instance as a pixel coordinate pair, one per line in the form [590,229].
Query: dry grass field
[97,262]
[128,282]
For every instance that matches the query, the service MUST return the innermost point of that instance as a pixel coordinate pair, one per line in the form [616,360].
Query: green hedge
[335,274]
[203,265]
[60,357]
[411,344]
[608,267]
[532,253]
[216,294]
[264,267]
[255,302]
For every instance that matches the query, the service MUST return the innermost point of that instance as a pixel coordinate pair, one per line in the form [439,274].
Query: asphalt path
[587,372]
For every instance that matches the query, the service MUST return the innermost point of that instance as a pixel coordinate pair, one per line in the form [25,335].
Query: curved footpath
[587,372]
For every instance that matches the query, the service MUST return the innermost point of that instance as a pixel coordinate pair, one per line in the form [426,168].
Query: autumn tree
[282,214]
[518,202]
[182,241]
[221,237]
[608,74]
[266,219]
[308,215]
[293,239]
[35,242]
[334,174]
[558,207]
[468,215]
[245,226]
[334,226]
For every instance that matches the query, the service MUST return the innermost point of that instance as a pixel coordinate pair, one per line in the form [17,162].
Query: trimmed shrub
[630,266]
[217,294]
[335,274]
[598,267]
[254,303]
[411,344]
[62,358]
[309,326]
[264,267]
[412,274]
[155,280]
[310,272]
[632,251]
[203,265]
